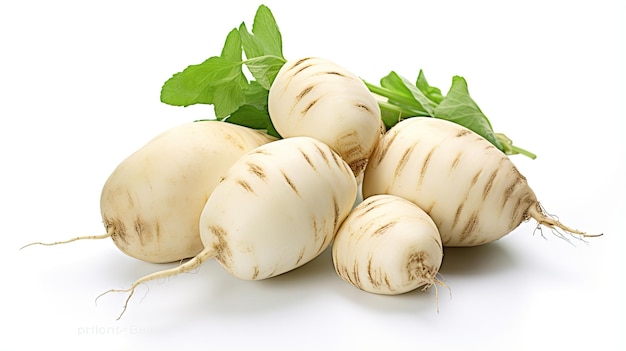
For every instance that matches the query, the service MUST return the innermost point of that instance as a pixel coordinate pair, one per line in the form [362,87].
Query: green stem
[519,150]
[399,99]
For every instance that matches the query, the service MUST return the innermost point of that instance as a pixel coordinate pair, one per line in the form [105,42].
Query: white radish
[473,191]
[318,98]
[388,245]
[278,207]
[151,203]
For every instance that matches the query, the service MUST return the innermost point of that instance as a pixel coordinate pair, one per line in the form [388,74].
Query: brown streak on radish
[157,230]
[338,160]
[382,151]
[324,243]
[308,159]
[300,69]
[475,179]
[309,106]
[303,93]
[117,229]
[381,230]
[140,227]
[260,152]
[506,196]
[469,227]
[315,228]
[236,142]
[299,62]
[323,154]
[291,184]
[349,146]
[490,182]
[370,206]
[386,279]
[456,161]
[357,278]
[490,146]
[404,159]
[420,180]
[462,133]
[334,73]
[336,213]
[300,256]
[520,212]
[370,273]
[363,107]
[245,185]
[221,248]
[255,273]
[346,274]
[257,171]
[416,268]
[457,215]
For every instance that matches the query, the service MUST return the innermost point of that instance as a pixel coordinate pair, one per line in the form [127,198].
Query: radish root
[186,267]
[538,213]
[434,282]
[101,236]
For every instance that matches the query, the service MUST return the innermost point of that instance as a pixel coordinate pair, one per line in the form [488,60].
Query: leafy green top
[220,81]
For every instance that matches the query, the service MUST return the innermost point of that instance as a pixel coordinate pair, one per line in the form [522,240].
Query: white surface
[80,86]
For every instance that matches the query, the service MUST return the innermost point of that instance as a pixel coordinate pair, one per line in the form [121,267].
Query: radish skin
[388,245]
[152,201]
[278,207]
[472,191]
[318,98]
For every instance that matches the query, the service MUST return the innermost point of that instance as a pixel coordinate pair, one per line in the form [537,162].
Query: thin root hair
[89,237]
[434,282]
[186,267]
[545,219]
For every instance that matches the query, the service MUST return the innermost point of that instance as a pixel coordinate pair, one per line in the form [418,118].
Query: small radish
[152,201]
[472,191]
[318,98]
[278,207]
[388,245]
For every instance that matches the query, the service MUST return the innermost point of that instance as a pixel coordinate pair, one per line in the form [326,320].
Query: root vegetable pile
[272,180]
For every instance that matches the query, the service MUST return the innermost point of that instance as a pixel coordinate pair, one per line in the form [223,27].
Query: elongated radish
[278,207]
[152,201]
[318,98]
[472,191]
[388,245]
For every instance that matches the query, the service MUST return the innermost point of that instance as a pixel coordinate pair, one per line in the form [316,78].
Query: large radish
[318,98]
[388,245]
[152,201]
[472,190]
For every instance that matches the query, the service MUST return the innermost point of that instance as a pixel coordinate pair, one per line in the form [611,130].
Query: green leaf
[227,99]
[253,113]
[267,33]
[220,80]
[232,50]
[265,68]
[198,84]
[251,46]
[412,97]
[256,95]
[249,116]
[432,93]
[252,117]
[460,108]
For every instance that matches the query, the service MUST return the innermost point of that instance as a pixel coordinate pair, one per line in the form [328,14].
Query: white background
[79,90]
